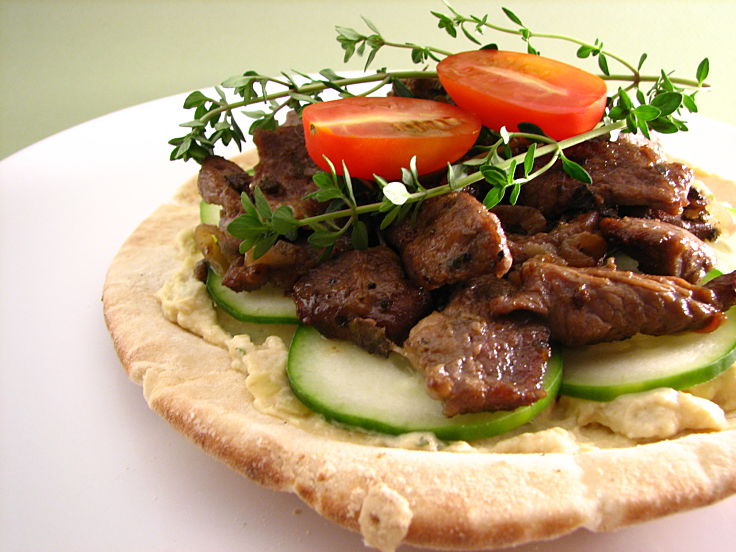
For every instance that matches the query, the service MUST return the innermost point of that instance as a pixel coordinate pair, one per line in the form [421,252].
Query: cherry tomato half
[507,88]
[380,135]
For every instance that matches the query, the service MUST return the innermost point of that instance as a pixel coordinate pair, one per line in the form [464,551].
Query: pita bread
[391,496]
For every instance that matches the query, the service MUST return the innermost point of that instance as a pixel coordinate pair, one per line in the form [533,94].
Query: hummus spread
[259,352]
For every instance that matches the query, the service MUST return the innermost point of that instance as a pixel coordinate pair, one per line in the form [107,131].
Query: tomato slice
[380,135]
[507,88]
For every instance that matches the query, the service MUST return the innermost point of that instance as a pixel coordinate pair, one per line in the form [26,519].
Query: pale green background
[64,62]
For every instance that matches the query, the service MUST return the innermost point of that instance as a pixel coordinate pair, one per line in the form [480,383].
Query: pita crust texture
[391,496]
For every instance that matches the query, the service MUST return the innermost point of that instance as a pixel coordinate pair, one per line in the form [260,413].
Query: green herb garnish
[631,108]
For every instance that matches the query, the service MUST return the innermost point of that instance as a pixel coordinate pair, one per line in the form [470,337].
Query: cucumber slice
[209,213]
[348,385]
[267,305]
[604,371]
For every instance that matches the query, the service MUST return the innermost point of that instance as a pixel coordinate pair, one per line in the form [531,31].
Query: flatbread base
[391,496]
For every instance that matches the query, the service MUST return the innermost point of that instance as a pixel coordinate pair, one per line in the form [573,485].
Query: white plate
[84,464]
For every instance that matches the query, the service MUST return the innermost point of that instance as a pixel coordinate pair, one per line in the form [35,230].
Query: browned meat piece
[697,206]
[455,238]
[221,182]
[575,243]
[473,295]
[554,193]
[282,265]
[473,363]
[240,276]
[660,247]
[362,296]
[724,288]
[701,229]
[694,218]
[591,305]
[623,174]
[520,219]
[284,171]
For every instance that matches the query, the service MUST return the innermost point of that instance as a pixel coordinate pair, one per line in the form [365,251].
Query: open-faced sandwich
[466,307]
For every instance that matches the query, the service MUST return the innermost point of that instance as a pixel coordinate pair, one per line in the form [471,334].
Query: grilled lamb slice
[660,247]
[554,193]
[624,174]
[701,229]
[520,219]
[724,288]
[592,305]
[245,277]
[575,243]
[473,363]
[455,238]
[221,182]
[362,296]
[284,171]
[695,217]
[282,265]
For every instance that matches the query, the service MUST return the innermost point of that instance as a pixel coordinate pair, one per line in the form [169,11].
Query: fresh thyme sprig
[630,109]
[354,42]
[214,118]
[659,109]
[473,27]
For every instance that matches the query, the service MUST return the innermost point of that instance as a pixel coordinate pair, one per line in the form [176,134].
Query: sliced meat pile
[475,299]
